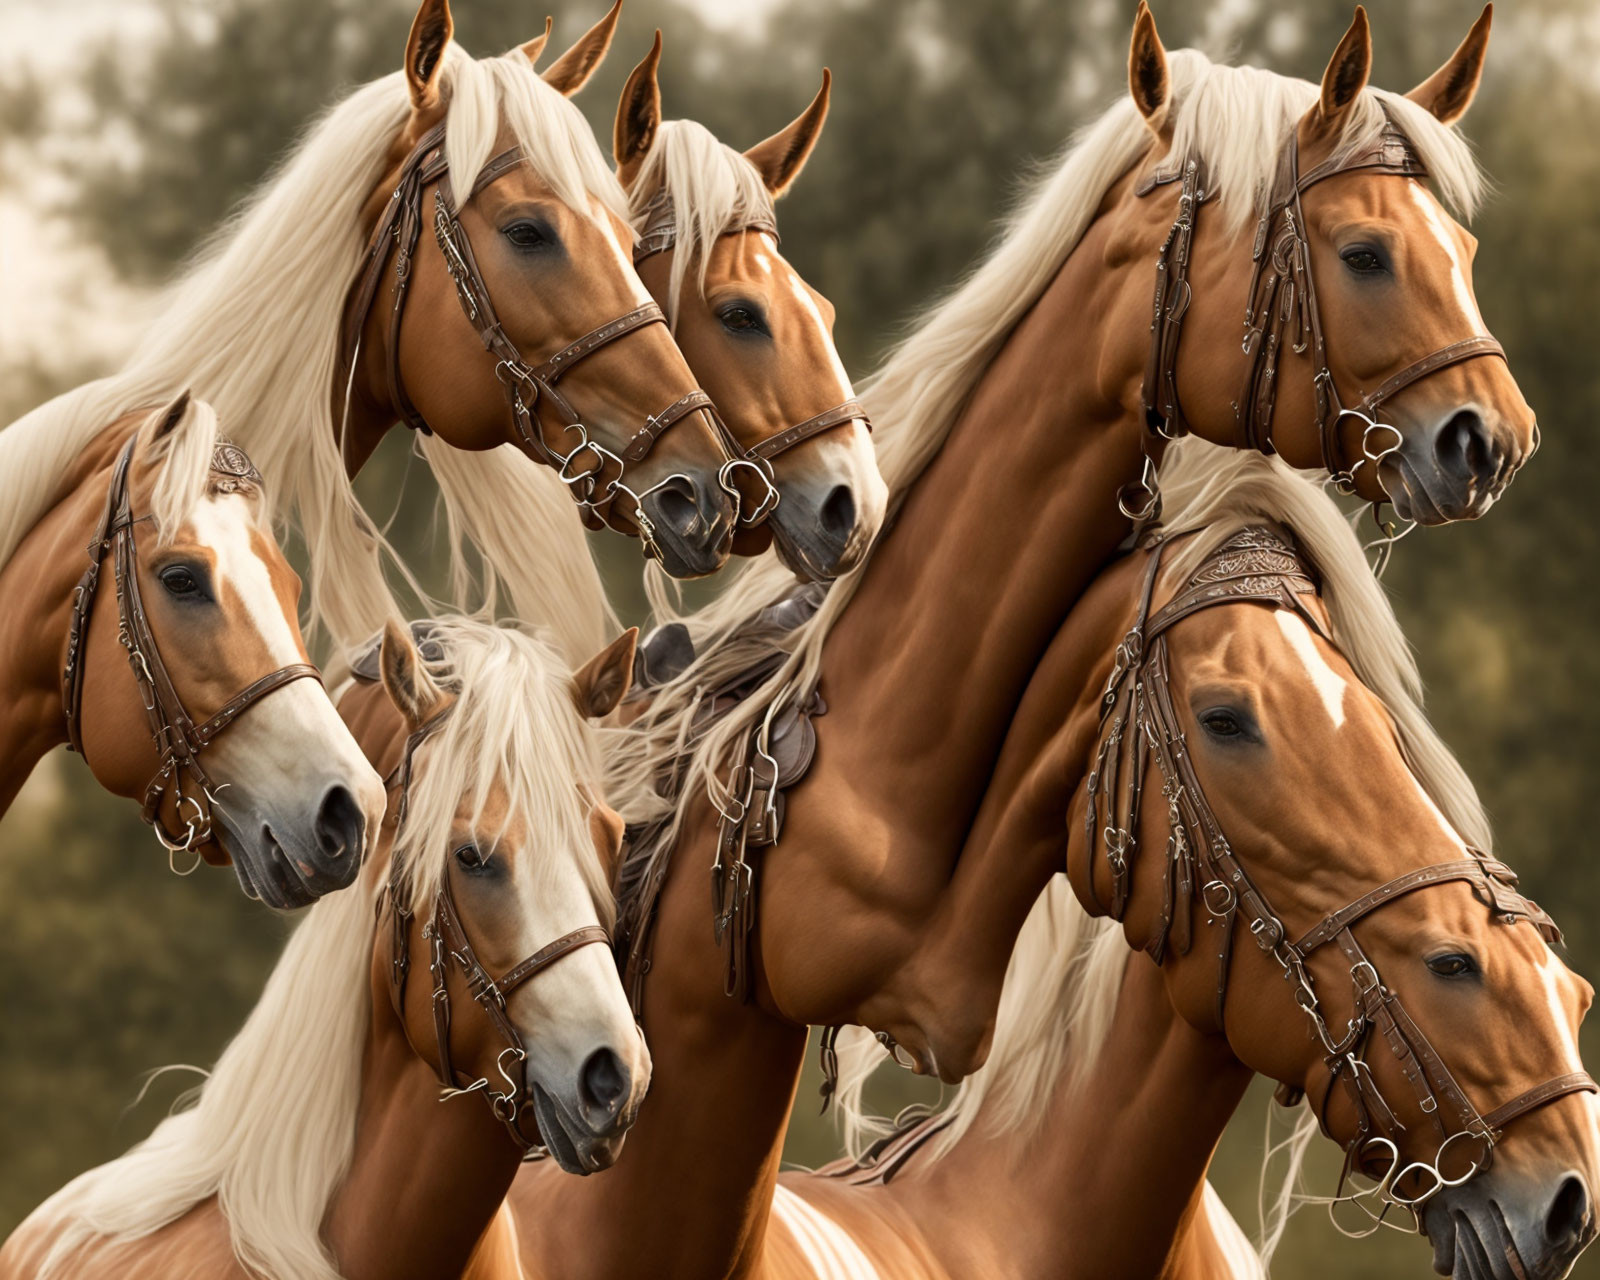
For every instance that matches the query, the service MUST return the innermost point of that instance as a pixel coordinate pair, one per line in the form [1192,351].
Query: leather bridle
[660,234]
[1281,310]
[449,945]
[178,738]
[593,473]
[1139,723]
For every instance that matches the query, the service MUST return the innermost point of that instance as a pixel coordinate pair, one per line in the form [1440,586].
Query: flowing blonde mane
[714,190]
[1237,119]
[253,327]
[271,1132]
[1065,973]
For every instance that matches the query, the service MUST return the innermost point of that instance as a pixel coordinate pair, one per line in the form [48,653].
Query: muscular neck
[1109,1184]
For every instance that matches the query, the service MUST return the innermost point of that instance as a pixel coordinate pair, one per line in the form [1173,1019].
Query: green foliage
[111,966]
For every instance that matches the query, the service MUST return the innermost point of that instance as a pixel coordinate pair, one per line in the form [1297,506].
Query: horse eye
[1221,724]
[528,235]
[741,319]
[179,581]
[1453,965]
[471,858]
[1363,259]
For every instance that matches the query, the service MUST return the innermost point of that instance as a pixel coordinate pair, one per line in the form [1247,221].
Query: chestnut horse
[171,658]
[1260,749]
[275,326]
[321,1145]
[758,337]
[730,1070]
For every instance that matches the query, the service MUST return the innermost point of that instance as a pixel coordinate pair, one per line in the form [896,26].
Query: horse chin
[1429,498]
[570,1145]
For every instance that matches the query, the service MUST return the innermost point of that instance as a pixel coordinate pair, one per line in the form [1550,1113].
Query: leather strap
[547,955]
[838,416]
[1549,1091]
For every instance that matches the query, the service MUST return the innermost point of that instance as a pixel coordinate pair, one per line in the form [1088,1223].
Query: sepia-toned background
[129,128]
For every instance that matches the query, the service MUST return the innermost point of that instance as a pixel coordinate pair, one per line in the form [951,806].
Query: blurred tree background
[111,966]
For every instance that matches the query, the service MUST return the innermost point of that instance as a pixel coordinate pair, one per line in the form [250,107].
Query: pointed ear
[1345,77]
[638,117]
[1449,91]
[781,157]
[1148,80]
[431,30]
[571,71]
[533,49]
[603,681]
[163,422]
[405,680]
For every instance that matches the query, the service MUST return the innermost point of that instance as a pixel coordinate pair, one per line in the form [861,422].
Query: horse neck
[1110,1181]
[37,584]
[426,1177]
[697,1176]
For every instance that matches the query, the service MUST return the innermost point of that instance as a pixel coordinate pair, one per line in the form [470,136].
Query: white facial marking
[1329,684]
[808,304]
[830,1251]
[641,295]
[1550,973]
[222,523]
[1434,214]
[1444,823]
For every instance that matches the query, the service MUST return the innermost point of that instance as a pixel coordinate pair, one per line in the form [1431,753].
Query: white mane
[1061,987]
[271,1132]
[1237,119]
[714,190]
[253,327]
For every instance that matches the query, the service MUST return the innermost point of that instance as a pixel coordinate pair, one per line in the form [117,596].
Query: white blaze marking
[1444,823]
[641,295]
[1330,685]
[222,523]
[1434,215]
[809,306]
[1550,970]
[829,1250]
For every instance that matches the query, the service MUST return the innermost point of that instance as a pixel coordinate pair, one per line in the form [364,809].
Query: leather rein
[1281,310]
[449,946]
[179,738]
[594,474]
[1139,722]
[659,235]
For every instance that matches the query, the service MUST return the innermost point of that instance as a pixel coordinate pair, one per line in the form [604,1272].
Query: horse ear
[1148,80]
[163,422]
[571,71]
[405,680]
[638,116]
[1449,91]
[431,31]
[533,49]
[781,157]
[1345,77]
[603,681]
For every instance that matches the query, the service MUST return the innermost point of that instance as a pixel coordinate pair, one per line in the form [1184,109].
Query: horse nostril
[340,826]
[837,516]
[603,1081]
[1463,446]
[1567,1222]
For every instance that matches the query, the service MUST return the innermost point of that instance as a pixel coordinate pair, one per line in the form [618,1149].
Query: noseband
[178,739]
[593,473]
[448,945]
[1139,721]
[661,234]
[1281,311]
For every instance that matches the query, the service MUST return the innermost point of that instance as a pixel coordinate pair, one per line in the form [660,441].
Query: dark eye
[179,580]
[1453,965]
[472,859]
[529,235]
[1363,259]
[1221,723]
[738,317]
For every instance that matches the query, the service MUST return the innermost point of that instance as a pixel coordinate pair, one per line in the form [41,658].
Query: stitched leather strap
[838,416]
[1549,1091]
[547,955]
[657,424]
[1443,358]
[553,368]
[242,701]
[1470,869]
